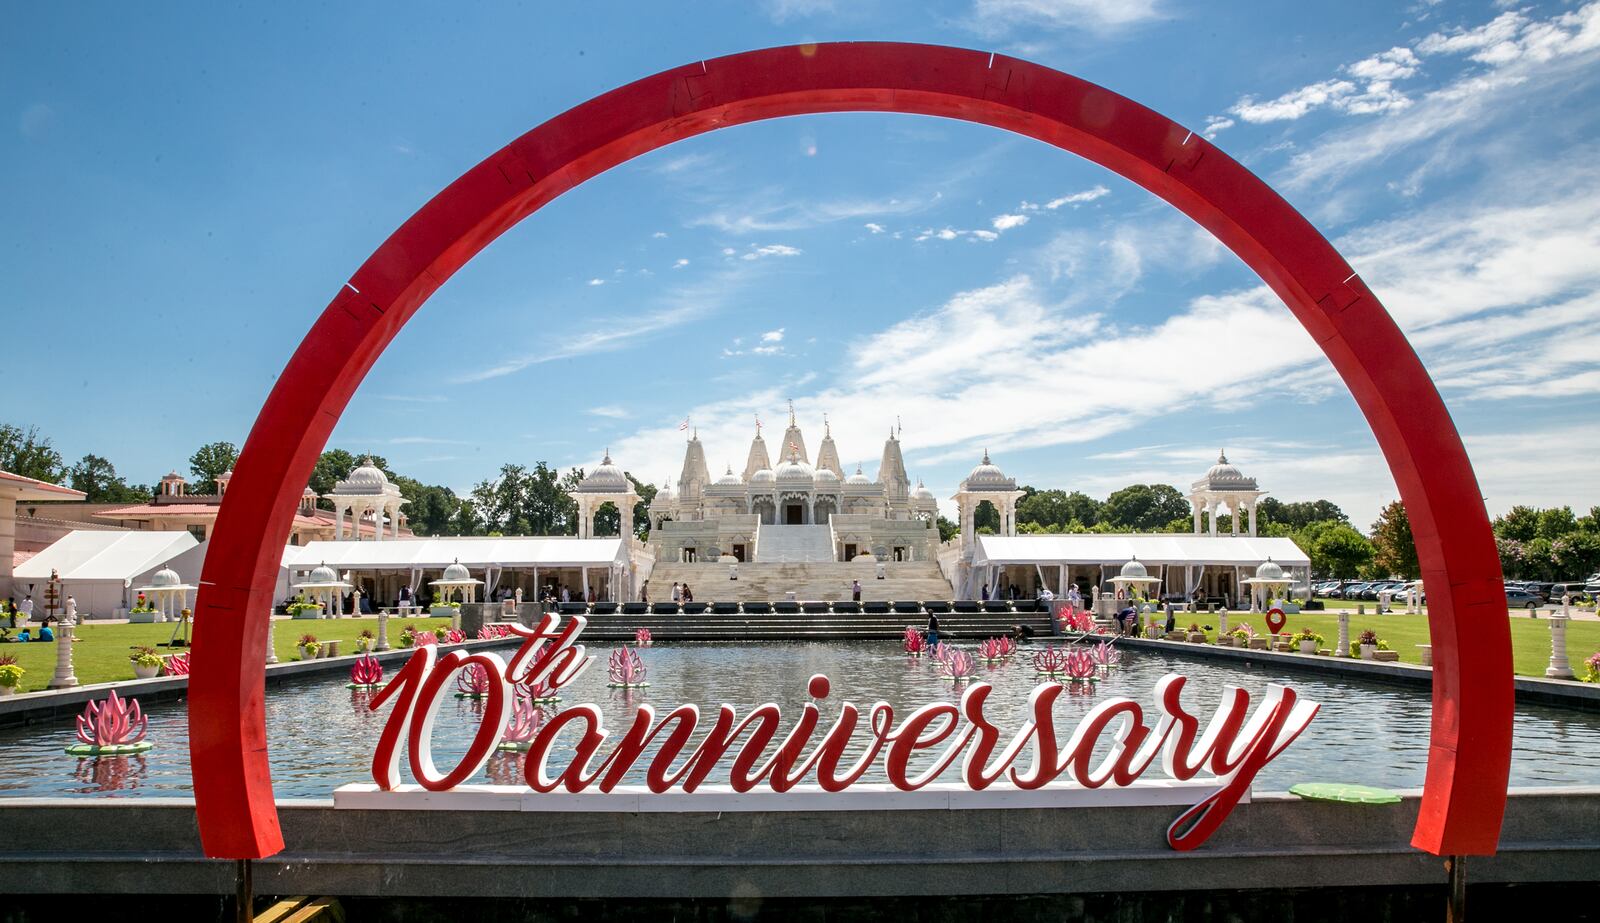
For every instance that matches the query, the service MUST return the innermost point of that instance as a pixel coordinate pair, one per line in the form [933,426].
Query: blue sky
[185,188]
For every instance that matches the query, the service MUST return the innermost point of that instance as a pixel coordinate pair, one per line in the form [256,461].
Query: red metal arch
[1470,748]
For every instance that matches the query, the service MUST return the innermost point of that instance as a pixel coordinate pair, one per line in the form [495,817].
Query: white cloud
[1215,125]
[680,264]
[1295,103]
[986,235]
[659,235]
[745,218]
[1007,222]
[757,253]
[1397,63]
[773,336]
[1078,198]
[597,282]
[610,411]
[784,10]
[874,227]
[999,17]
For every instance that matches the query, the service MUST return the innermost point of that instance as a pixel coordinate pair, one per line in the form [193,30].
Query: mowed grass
[102,654]
[1530,638]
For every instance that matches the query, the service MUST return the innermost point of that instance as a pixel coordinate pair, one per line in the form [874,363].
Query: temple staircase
[794,544]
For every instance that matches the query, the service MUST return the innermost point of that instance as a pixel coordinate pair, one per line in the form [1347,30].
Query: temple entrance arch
[1470,746]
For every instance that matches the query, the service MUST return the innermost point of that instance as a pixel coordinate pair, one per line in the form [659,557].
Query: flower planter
[363,645]
[144,672]
[1367,650]
[442,611]
[307,614]
[1152,633]
[141,618]
[1258,644]
[1308,647]
[308,651]
[7,690]
[1197,637]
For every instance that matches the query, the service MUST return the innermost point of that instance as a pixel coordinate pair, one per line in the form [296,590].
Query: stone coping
[1565,693]
[151,845]
[57,704]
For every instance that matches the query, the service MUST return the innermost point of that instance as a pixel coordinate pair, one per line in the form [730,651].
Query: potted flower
[442,633]
[147,664]
[309,645]
[445,609]
[1309,641]
[1592,665]
[142,612]
[1367,644]
[408,638]
[304,609]
[10,675]
[1196,636]
[364,641]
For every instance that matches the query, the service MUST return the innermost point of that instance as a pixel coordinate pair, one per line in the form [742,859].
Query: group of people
[13,612]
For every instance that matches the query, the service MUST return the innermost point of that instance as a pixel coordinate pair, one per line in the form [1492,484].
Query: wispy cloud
[610,411]
[997,18]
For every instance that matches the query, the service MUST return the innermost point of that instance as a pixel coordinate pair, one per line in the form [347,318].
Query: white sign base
[636,799]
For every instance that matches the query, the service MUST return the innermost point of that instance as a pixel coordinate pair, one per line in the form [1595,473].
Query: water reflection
[322,734]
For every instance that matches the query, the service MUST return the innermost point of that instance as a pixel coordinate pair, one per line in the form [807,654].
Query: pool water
[322,734]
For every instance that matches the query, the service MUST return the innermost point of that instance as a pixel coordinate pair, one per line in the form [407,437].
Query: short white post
[1222,625]
[1343,649]
[65,678]
[272,647]
[383,631]
[1559,668]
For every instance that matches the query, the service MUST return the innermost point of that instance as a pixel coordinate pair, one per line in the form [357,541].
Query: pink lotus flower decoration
[366,671]
[625,668]
[541,691]
[1050,662]
[958,666]
[526,719]
[1077,620]
[1081,666]
[642,637]
[425,637]
[940,652]
[454,636]
[915,643]
[473,681]
[1007,646]
[1105,655]
[177,665]
[992,649]
[493,632]
[113,722]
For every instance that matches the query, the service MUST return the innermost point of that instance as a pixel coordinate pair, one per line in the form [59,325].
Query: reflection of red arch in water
[1470,748]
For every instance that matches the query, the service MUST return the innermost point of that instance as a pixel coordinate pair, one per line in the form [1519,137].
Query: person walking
[985,596]
[677,592]
[27,608]
[644,592]
[688,594]
[933,629]
[855,590]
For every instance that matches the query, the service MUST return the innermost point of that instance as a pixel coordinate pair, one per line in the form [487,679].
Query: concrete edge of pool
[1277,841]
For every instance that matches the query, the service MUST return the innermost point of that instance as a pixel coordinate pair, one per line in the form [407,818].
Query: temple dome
[456,573]
[921,492]
[1224,476]
[730,479]
[366,479]
[763,476]
[322,573]
[1133,570]
[607,478]
[664,495]
[1269,570]
[826,477]
[858,479]
[165,577]
[987,475]
[795,472]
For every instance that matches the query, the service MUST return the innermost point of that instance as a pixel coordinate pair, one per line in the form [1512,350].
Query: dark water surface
[321,734]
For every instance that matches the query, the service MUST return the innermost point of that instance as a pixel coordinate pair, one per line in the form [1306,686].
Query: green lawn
[1530,638]
[101,656]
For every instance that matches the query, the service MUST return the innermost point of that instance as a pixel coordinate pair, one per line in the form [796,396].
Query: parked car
[1519,598]
[1574,589]
[1541,590]
[1354,590]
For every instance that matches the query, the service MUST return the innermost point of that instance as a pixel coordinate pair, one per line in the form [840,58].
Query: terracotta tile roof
[42,490]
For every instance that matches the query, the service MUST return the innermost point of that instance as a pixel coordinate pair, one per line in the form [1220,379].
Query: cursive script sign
[1232,746]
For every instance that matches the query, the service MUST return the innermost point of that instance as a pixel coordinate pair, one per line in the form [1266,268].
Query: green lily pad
[1345,792]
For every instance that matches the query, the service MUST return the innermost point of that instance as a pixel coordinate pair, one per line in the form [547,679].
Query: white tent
[487,557]
[99,568]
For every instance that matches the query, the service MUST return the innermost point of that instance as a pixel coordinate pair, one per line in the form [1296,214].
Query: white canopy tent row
[1210,567]
[505,565]
[101,570]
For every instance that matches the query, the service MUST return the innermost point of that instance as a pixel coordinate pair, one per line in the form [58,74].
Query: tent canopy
[437,553]
[1171,549]
[109,556]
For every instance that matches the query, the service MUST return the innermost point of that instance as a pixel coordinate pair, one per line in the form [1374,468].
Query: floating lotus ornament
[940,652]
[992,650]
[526,719]
[111,727]
[1106,656]
[540,692]
[1050,662]
[472,682]
[365,674]
[177,664]
[1081,667]
[958,666]
[1008,646]
[626,669]
[915,642]
[1077,620]
[642,637]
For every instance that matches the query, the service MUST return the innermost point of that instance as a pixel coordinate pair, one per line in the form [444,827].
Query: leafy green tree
[1394,551]
[1557,522]
[430,509]
[1576,555]
[1338,550]
[25,452]
[986,519]
[947,529]
[98,479]
[334,465]
[208,463]
[1144,507]
[1297,515]
[1520,523]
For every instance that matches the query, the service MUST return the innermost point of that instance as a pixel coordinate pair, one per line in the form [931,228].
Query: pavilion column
[1233,516]
[1195,504]
[584,571]
[338,523]
[1211,512]
[1251,507]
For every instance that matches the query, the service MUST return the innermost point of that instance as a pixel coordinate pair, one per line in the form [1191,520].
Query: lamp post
[1559,667]
[65,678]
